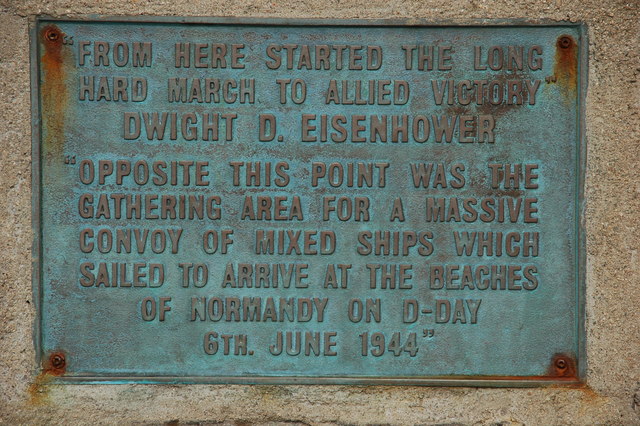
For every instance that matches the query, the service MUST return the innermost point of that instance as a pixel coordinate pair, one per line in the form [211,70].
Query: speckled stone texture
[613,248]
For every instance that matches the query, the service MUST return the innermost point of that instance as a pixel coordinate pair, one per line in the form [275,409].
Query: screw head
[565,42]
[57,361]
[52,35]
[561,364]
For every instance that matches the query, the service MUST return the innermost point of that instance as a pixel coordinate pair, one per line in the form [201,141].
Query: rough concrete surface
[612,392]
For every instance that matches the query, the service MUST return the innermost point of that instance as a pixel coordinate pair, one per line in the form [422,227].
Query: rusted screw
[57,361]
[561,364]
[565,42]
[52,35]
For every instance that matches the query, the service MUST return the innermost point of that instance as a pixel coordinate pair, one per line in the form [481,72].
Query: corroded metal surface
[154,259]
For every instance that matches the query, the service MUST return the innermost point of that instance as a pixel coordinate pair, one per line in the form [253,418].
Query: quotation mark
[70,159]
[428,333]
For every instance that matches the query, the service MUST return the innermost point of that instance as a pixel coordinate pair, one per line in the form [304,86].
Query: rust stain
[53,89]
[565,68]
[52,366]
[38,389]
[589,394]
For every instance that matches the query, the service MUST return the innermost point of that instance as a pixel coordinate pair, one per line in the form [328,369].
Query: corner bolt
[52,35]
[57,361]
[565,42]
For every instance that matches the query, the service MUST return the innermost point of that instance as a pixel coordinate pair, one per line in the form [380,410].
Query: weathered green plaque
[308,202]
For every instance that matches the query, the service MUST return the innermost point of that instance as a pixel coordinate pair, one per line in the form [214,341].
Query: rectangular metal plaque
[308,202]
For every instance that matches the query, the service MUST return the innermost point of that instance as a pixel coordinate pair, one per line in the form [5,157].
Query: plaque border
[459,381]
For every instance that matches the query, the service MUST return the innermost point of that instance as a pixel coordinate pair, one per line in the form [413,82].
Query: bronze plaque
[309,201]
